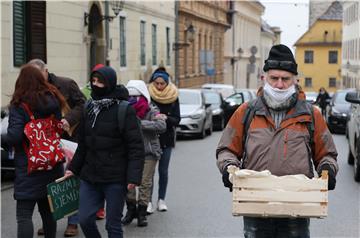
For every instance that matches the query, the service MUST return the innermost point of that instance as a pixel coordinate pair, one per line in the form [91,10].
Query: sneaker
[71,230]
[162,206]
[100,214]
[149,209]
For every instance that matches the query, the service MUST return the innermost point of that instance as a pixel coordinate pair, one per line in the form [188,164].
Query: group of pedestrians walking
[122,133]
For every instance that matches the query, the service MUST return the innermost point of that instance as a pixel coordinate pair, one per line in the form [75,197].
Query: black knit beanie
[281,57]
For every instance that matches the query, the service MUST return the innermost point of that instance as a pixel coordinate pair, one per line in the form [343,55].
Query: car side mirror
[207,105]
[352,97]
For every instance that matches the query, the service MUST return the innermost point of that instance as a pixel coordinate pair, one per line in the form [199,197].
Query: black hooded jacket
[105,154]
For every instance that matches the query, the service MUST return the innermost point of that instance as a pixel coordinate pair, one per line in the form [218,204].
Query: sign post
[63,196]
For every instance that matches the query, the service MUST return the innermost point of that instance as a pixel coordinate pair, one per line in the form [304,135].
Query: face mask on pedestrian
[279,95]
[98,90]
[133,99]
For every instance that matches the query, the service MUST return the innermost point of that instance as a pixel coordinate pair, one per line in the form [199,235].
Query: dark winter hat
[108,75]
[281,57]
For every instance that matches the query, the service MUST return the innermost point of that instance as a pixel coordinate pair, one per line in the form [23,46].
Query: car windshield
[189,98]
[235,98]
[340,98]
[212,98]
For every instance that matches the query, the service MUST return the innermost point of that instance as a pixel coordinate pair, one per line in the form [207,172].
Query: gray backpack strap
[248,116]
[122,107]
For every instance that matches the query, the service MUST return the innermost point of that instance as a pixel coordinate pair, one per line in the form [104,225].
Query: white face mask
[279,95]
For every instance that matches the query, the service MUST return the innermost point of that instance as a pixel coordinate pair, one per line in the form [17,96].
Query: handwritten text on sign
[64,197]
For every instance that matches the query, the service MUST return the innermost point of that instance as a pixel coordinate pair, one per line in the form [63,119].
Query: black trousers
[24,213]
[276,227]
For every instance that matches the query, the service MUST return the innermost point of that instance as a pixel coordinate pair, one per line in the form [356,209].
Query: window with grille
[29,31]
[309,57]
[122,41]
[142,43]
[308,82]
[333,57]
[332,82]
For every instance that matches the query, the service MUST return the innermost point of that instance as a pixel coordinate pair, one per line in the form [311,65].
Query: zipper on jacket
[285,143]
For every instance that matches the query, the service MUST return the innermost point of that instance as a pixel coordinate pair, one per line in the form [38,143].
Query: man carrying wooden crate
[280,132]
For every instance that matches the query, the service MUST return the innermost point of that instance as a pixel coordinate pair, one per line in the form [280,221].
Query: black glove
[226,181]
[331,175]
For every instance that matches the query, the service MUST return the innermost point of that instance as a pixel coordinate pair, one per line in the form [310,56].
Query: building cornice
[336,44]
[141,8]
[196,15]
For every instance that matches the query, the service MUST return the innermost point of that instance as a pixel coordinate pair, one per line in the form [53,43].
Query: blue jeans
[276,227]
[24,213]
[73,219]
[163,171]
[92,198]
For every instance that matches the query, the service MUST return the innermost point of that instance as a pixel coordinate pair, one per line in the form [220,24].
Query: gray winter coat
[151,128]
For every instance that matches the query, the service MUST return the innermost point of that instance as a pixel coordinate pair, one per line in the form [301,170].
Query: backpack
[121,114]
[44,149]
[249,115]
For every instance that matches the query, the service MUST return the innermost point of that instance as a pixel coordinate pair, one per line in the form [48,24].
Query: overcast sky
[292,16]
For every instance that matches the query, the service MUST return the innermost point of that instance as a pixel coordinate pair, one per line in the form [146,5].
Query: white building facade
[350,69]
[244,35]
[71,42]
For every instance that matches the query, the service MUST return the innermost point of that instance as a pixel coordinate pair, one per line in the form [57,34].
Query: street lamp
[189,37]
[116,6]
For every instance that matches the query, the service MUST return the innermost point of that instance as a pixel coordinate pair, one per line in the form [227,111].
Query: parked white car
[196,116]
[224,89]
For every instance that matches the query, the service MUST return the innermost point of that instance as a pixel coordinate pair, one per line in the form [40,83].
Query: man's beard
[279,106]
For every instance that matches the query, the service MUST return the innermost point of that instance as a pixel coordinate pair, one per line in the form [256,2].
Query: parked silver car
[224,89]
[196,116]
[353,132]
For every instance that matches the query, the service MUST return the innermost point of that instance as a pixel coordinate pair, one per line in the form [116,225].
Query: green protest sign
[63,196]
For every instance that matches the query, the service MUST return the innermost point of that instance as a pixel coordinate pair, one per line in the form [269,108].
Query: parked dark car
[338,111]
[249,94]
[217,106]
[233,102]
[353,132]
[7,162]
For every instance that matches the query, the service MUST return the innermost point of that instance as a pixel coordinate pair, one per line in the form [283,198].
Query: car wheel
[350,157]
[209,130]
[356,164]
[202,134]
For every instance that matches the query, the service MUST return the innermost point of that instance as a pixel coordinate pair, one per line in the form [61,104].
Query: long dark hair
[31,87]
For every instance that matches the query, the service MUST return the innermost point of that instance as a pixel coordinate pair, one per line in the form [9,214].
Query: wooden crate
[284,196]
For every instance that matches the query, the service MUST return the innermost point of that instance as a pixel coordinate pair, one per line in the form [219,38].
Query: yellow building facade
[318,53]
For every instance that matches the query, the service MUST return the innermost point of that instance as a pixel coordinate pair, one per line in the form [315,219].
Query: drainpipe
[107,35]
[233,42]
[176,40]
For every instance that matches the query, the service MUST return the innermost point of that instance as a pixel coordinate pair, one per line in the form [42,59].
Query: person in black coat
[44,100]
[323,99]
[107,160]
[164,95]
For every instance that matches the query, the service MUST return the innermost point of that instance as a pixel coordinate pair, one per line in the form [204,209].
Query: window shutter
[37,37]
[19,36]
